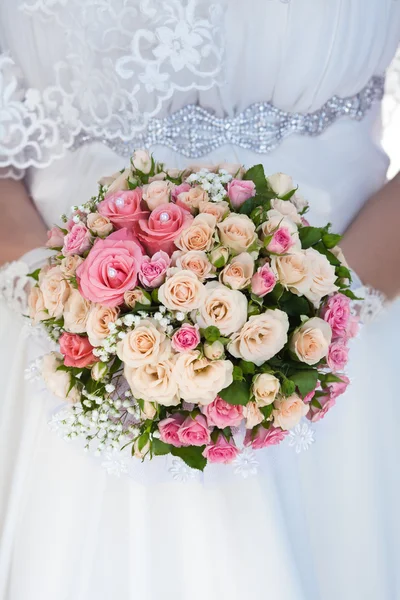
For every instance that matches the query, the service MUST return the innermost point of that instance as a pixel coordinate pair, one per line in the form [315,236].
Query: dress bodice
[107,68]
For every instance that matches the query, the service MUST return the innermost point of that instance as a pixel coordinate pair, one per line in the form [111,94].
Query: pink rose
[78,240]
[308,397]
[352,327]
[338,355]
[316,414]
[221,452]
[163,226]
[304,222]
[153,270]
[239,191]
[186,338]
[281,241]
[338,388]
[77,350]
[263,281]
[110,269]
[124,209]
[221,414]
[179,189]
[55,238]
[194,431]
[264,437]
[169,428]
[336,312]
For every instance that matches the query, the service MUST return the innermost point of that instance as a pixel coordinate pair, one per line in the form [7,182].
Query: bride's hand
[371,244]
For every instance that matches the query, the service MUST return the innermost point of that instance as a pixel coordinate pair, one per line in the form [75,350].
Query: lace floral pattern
[123,61]
[13,286]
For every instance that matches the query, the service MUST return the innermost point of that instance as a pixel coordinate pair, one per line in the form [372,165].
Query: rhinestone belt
[194,131]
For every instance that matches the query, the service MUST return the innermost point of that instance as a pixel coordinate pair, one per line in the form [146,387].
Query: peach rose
[157,193]
[310,342]
[117,182]
[281,183]
[200,235]
[69,265]
[98,321]
[238,232]
[323,277]
[99,225]
[265,388]
[253,415]
[142,161]
[58,382]
[217,209]
[289,411]
[192,198]
[261,338]
[55,238]
[238,273]
[200,379]
[76,312]
[293,272]
[222,308]
[37,311]
[154,382]
[138,296]
[55,290]
[182,291]
[147,344]
[196,261]
[286,209]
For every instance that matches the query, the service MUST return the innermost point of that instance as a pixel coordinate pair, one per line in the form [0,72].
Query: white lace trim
[13,286]
[123,63]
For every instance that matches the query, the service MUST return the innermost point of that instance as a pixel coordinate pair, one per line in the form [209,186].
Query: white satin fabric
[320,525]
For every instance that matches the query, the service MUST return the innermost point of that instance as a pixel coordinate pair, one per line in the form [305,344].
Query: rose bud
[219,257]
[214,351]
[141,160]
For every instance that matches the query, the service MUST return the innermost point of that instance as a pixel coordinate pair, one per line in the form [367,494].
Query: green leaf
[309,236]
[257,175]
[192,456]
[330,240]
[289,194]
[314,402]
[154,295]
[350,295]
[237,394]
[248,368]
[331,257]
[35,274]
[267,410]
[237,374]
[288,387]
[294,305]
[160,448]
[142,441]
[116,365]
[227,432]
[256,299]
[329,378]
[132,185]
[343,272]
[305,380]
[211,334]
[272,299]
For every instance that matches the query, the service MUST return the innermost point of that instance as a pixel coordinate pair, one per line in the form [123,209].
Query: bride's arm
[371,244]
[21,227]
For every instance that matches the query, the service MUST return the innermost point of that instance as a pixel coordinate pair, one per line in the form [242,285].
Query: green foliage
[35,274]
[267,410]
[314,402]
[160,448]
[248,368]
[288,387]
[330,240]
[237,394]
[305,380]
[309,236]
[257,175]
[211,334]
[350,295]
[192,456]
[289,194]
[294,305]
[331,257]
[237,373]
[343,272]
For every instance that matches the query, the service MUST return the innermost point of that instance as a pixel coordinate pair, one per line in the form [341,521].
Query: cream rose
[76,312]
[98,321]
[141,160]
[311,341]
[235,169]
[275,221]
[286,209]
[55,290]
[281,183]
[222,308]
[261,338]
[117,182]
[69,265]
[193,197]
[133,297]
[145,345]
[182,291]
[99,225]
[149,410]
[196,261]
[299,202]
[293,272]
[154,382]
[265,388]
[58,382]
[200,379]
[214,350]
[157,193]
[253,415]
[323,276]
[37,311]
[238,232]
[219,257]
[200,235]
[217,209]
[238,273]
[289,411]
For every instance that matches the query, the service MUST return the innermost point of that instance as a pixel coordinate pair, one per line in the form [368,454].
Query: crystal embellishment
[194,131]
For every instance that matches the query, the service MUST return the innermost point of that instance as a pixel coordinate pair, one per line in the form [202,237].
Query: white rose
[182,291]
[98,371]
[147,344]
[299,202]
[265,388]
[117,182]
[141,160]
[36,305]
[55,290]
[289,412]
[286,209]
[98,321]
[253,415]
[323,277]
[293,272]
[280,183]
[99,225]
[76,312]
[238,273]
[275,221]
[200,235]
[214,351]
[196,261]
[200,379]
[261,338]
[238,232]
[154,382]
[58,382]
[149,410]
[311,341]
[143,451]
[157,193]
[222,308]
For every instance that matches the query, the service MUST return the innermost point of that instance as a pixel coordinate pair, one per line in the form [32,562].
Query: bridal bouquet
[196,312]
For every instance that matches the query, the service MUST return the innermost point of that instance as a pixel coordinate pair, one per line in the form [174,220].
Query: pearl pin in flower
[111,272]
[164,217]
[119,202]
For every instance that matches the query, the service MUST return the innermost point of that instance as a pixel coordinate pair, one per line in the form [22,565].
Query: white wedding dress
[80,79]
